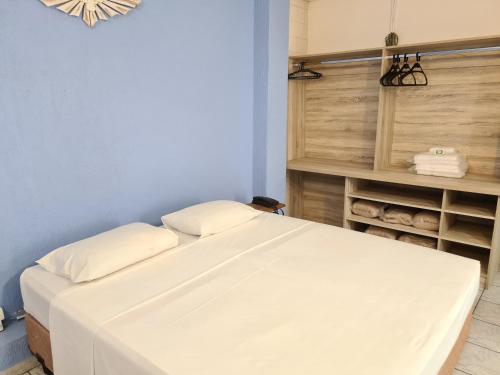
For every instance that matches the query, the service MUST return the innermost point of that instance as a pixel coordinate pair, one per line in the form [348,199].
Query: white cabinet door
[343,25]
[420,21]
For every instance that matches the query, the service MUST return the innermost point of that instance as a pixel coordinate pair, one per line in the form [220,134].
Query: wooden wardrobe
[351,138]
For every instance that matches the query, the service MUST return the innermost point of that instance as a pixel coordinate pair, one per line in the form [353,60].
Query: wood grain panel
[385,119]
[323,199]
[494,261]
[39,342]
[459,108]
[340,112]
[295,147]
[294,200]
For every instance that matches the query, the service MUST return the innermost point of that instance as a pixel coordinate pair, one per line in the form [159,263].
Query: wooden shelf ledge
[469,234]
[399,197]
[471,183]
[478,209]
[397,227]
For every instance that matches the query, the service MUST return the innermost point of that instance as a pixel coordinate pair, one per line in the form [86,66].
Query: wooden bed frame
[40,346]
[39,343]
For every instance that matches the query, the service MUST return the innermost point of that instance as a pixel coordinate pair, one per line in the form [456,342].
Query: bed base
[40,346]
[452,360]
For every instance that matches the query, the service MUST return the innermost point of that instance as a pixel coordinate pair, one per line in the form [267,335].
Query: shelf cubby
[410,196]
[467,230]
[318,198]
[471,204]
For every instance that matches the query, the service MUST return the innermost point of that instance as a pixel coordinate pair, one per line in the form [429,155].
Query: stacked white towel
[444,162]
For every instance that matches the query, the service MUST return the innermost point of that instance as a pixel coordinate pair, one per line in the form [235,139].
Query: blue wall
[261,74]
[277,85]
[140,116]
[270,97]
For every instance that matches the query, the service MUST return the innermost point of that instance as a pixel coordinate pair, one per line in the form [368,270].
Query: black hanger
[400,76]
[406,72]
[393,71]
[393,79]
[416,71]
[304,74]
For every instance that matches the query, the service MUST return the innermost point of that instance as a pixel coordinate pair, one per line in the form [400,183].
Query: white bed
[273,296]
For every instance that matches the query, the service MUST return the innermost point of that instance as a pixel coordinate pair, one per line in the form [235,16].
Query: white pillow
[108,252]
[210,218]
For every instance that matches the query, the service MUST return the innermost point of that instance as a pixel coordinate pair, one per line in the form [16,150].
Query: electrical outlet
[20,314]
[2,317]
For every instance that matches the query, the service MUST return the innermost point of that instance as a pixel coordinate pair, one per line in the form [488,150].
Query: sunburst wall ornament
[93,10]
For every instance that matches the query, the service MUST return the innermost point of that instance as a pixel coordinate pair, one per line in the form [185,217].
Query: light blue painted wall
[270,95]
[138,117]
[13,344]
[261,73]
[147,114]
[277,98]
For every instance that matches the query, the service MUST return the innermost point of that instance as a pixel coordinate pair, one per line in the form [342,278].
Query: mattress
[39,287]
[273,296]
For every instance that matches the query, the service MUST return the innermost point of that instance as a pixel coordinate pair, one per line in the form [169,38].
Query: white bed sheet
[274,296]
[39,287]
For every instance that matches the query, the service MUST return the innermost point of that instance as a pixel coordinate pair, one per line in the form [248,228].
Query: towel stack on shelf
[444,162]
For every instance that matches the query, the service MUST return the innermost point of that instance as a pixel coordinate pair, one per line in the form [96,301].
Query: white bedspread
[274,296]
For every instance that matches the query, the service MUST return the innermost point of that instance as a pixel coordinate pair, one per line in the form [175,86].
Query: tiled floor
[481,355]
[36,371]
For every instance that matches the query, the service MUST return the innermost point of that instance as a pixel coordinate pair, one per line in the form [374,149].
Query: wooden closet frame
[325,172]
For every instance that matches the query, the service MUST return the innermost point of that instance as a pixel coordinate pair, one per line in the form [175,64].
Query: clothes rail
[433,53]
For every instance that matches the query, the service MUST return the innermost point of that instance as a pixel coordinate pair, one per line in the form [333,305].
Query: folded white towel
[440,167]
[428,157]
[442,150]
[441,174]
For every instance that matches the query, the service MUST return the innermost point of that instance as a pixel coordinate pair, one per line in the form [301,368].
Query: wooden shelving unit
[349,138]
[468,232]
